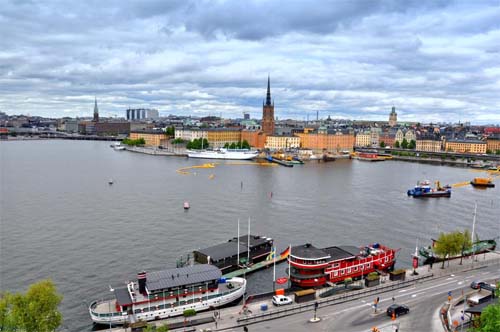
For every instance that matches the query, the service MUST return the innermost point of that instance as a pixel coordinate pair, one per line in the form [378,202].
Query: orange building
[466,146]
[218,137]
[493,144]
[152,138]
[256,139]
[388,139]
[331,142]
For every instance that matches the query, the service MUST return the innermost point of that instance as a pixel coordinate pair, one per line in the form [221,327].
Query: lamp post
[109,308]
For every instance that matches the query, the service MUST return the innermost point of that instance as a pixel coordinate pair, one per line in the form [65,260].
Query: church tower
[393,117]
[268,112]
[96,111]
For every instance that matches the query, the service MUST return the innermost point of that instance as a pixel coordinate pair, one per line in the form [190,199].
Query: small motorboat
[482,182]
[110,182]
[186,205]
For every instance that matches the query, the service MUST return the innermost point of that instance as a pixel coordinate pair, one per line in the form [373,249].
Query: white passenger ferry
[168,293]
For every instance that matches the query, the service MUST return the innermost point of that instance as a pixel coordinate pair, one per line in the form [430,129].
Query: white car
[281,300]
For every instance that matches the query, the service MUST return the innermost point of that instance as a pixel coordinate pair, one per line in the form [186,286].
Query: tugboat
[478,247]
[482,182]
[423,189]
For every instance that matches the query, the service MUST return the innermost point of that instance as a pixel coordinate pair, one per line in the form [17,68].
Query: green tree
[226,146]
[382,144]
[497,152]
[404,144]
[153,328]
[488,151]
[197,144]
[412,145]
[396,145]
[245,144]
[34,311]
[178,141]
[170,131]
[233,146]
[489,321]
[450,244]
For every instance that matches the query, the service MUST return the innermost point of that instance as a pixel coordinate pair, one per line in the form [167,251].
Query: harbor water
[61,219]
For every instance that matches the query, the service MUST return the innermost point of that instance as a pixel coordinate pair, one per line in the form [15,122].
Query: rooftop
[308,251]
[176,277]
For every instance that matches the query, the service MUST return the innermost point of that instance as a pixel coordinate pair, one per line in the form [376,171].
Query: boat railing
[94,304]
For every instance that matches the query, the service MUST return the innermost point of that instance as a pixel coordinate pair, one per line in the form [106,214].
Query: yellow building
[493,144]
[466,146]
[152,138]
[218,137]
[282,142]
[429,145]
[337,142]
[363,139]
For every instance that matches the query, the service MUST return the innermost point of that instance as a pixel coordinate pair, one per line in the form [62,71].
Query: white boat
[168,293]
[118,146]
[234,154]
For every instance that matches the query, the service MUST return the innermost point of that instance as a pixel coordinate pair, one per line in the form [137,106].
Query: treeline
[239,145]
[134,142]
[197,144]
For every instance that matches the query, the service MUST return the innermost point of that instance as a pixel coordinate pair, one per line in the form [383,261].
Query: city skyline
[433,61]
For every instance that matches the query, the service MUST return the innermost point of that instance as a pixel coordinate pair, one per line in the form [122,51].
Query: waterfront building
[399,136]
[218,137]
[410,135]
[393,117]
[493,143]
[429,145]
[86,127]
[96,111]
[282,142]
[190,134]
[388,139]
[255,138]
[374,138]
[133,114]
[71,125]
[268,112]
[363,139]
[112,128]
[151,137]
[330,141]
[466,146]
[4,133]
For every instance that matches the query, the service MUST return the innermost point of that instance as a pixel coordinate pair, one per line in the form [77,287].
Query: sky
[435,61]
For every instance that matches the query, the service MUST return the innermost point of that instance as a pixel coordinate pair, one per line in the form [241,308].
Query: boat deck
[253,268]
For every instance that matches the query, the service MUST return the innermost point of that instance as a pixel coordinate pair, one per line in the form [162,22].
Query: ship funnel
[141,278]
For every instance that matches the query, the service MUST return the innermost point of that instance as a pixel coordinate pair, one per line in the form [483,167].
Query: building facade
[388,139]
[466,146]
[363,139]
[218,137]
[268,112]
[190,134]
[255,138]
[429,145]
[152,137]
[133,114]
[334,142]
[112,128]
[282,142]
[493,143]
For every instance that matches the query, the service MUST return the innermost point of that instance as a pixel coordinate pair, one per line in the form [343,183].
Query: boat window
[342,272]
[355,268]
[349,270]
[336,265]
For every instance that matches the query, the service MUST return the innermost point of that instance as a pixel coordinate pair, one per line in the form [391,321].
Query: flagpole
[289,266]
[238,255]
[274,268]
[248,250]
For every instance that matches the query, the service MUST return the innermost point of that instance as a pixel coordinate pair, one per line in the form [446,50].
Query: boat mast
[238,255]
[473,227]
[248,249]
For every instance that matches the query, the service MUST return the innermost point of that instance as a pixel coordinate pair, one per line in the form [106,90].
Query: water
[61,219]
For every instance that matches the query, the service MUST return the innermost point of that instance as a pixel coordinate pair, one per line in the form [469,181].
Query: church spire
[96,111]
[268,96]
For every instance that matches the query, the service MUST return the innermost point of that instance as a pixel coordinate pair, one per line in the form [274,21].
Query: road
[424,301]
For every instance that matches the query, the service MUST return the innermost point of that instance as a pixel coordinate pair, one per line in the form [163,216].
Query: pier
[254,267]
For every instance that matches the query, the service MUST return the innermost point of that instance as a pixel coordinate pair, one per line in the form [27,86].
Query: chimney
[141,278]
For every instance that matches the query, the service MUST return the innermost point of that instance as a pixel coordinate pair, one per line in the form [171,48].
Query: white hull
[223,154]
[166,309]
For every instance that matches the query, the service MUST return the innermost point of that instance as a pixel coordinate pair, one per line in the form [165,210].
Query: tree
[34,311]
[396,145]
[488,151]
[170,131]
[233,146]
[404,144]
[382,144]
[412,145]
[197,144]
[450,244]
[489,321]
[245,144]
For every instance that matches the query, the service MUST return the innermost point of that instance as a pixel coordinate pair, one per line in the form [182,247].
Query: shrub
[399,271]
[189,312]
[373,276]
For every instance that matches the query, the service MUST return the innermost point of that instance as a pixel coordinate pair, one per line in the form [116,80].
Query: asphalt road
[424,300]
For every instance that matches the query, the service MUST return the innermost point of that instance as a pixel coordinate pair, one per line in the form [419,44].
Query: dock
[254,267]
[281,162]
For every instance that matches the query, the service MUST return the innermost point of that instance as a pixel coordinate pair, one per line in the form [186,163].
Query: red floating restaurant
[313,267]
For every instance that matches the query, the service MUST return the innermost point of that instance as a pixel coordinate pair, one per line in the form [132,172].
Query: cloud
[433,60]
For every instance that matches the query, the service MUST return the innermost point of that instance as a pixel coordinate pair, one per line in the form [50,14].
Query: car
[476,284]
[397,309]
[281,300]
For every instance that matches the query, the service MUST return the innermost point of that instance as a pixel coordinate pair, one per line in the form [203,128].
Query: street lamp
[109,308]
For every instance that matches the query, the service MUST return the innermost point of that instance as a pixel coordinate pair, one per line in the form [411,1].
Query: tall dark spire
[96,111]
[268,96]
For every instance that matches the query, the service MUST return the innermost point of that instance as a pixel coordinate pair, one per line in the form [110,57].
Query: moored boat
[231,154]
[478,247]
[314,267]
[423,189]
[482,182]
[168,293]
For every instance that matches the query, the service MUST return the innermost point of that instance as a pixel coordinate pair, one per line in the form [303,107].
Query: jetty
[254,267]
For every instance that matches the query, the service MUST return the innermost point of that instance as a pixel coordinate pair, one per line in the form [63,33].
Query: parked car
[397,309]
[281,300]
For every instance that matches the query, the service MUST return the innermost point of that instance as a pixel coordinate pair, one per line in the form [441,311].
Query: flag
[272,254]
[285,253]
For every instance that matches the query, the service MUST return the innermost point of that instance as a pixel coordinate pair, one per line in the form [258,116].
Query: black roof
[181,276]
[308,251]
[122,296]
[342,252]
[230,248]
[477,309]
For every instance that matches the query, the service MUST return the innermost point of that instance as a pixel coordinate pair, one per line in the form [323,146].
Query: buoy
[186,205]
[110,181]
